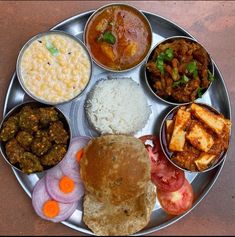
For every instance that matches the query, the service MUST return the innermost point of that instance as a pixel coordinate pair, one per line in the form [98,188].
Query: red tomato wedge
[169,178]
[155,153]
[164,175]
[178,202]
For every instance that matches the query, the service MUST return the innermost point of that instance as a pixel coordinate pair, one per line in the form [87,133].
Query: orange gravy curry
[118,37]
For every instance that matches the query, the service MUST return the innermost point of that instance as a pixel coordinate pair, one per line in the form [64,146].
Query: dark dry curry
[178,70]
[118,37]
[35,138]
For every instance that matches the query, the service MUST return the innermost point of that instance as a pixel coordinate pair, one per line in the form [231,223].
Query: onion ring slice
[52,180]
[40,196]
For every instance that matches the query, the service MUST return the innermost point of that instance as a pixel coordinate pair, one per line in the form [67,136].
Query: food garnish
[192,68]
[53,50]
[63,188]
[66,184]
[167,55]
[108,37]
[210,75]
[183,80]
[200,92]
[51,208]
[79,155]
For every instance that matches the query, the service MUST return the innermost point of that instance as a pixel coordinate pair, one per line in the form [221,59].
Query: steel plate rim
[204,193]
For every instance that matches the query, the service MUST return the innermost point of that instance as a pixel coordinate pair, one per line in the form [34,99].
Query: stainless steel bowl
[15,110]
[28,43]
[97,12]
[170,39]
[163,140]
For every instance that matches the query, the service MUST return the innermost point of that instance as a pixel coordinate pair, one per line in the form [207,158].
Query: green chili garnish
[183,80]
[160,62]
[210,75]
[167,55]
[53,50]
[109,37]
[192,68]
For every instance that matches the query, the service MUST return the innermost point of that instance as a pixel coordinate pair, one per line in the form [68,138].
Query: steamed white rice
[117,106]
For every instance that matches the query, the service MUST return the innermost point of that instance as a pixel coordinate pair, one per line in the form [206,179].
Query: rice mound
[117,106]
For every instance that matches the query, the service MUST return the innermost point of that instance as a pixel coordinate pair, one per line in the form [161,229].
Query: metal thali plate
[217,96]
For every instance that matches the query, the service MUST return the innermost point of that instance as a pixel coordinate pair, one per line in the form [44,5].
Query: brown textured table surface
[212,23]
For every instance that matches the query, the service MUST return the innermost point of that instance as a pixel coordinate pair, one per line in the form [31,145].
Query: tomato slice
[178,202]
[164,175]
[154,151]
[169,178]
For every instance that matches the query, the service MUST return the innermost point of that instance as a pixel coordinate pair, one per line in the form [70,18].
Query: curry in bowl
[34,137]
[179,70]
[118,37]
[54,67]
[195,137]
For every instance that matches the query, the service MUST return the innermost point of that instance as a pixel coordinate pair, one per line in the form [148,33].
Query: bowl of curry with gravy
[118,37]
[195,137]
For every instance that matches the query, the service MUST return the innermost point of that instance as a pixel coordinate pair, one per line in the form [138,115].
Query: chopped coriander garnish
[176,83]
[109,37]
[199,92]
[183,80]
[210,75]
[169,54]
[160,62]
[195,73]
[161,56]
[53,50]
[192,68]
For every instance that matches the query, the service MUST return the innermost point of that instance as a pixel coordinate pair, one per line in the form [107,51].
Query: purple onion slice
[69,164]
[40,197]
[52,180]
